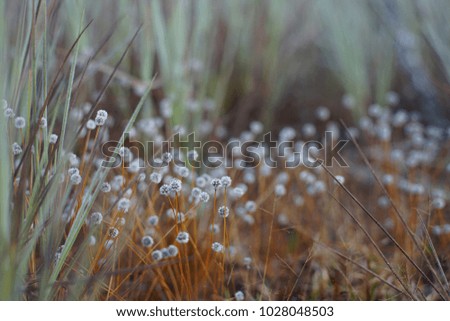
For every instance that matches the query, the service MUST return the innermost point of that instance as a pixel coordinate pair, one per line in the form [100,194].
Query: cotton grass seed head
[53,139]
[388,179]
[43,122]
[117,182]
[135,166]
[108,244]
[282,219]
[183,171]
[16,149]
[4,104]
[173,250]
[124,151]
[200,181]
[147,241]
[249,177]
[170,213]
[247,261]
[438,203]
[216,183]
[141,177]
[19,122]
[182,237]
[96,218]
[195,192]
[214,228]
[90,124]
[322,113]
[181,217]
[166,157]
[225,181]
[165,107]
[204,197]
[142,186]
[157,255]
[120,221]
[128,193]
[340,179]
[175,185]
[247,218]
[106,187]
[113,232]
[224,212]
[250,206]
[9,113]
[102,113]
[73,171]
[280,190]
[153,220]
[256,127]
[287,134]
[265,170]
[164,190]
[348,101]
[309,130]
[74,160]
[92,240]
[75,179]
[436,230]
[123,204]
[392,98]
[383,202]
[237,192]
[217,247]
[101,117]
[155,177]
[283,178]
[165,253]
[239,296]
[446,229]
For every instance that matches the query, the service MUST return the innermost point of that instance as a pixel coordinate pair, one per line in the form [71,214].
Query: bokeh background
[273,61]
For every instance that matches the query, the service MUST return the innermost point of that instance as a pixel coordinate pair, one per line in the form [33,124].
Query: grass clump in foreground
[72,229]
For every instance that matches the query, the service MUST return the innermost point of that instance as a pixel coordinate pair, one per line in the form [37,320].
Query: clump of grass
[434,31]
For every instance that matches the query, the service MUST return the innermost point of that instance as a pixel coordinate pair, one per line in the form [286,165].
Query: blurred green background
[272,61]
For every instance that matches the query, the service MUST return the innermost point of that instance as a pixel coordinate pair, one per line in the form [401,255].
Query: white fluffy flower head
[182,237]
